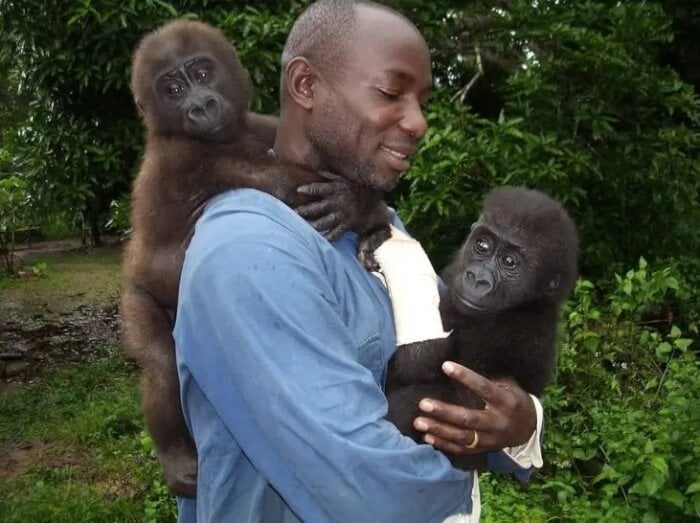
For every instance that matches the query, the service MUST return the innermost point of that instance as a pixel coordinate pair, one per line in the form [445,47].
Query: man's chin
[384,182]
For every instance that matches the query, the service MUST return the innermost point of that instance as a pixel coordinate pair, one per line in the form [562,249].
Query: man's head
[355,78]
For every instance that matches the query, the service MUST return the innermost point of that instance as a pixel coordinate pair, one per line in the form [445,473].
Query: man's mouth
[395,153]
[398,160]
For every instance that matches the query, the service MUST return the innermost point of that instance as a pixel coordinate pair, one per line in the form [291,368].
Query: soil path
[67,315]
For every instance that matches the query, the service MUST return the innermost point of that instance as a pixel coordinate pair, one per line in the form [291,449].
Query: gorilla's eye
[175,90]
[201,75]
[482,246]
[509,261]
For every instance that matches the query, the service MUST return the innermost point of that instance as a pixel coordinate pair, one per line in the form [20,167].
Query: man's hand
[508,420]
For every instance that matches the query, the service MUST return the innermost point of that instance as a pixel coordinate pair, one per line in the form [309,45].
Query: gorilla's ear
[554,284]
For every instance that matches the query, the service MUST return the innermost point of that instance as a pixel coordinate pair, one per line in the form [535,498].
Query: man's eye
[391,95]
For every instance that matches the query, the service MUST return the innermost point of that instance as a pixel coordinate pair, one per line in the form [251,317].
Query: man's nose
[413,121]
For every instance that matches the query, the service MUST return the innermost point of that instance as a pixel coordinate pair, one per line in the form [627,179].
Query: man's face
[368,116]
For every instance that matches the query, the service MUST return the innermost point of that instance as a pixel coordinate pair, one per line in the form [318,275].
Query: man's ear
[139,106]
[300,82]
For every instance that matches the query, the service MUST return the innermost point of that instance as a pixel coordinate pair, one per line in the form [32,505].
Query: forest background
[594,102]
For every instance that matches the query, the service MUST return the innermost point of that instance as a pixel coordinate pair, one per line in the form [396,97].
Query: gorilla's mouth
[468,303]
[214,128]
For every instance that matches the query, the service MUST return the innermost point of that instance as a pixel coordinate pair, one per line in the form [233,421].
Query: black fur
[503,319]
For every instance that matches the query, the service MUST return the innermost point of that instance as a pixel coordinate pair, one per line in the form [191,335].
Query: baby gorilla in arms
[505,287]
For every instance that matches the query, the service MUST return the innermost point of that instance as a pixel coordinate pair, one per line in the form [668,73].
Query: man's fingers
[457,416]
[482,387]
[314,209]
[458,437]
[447,446]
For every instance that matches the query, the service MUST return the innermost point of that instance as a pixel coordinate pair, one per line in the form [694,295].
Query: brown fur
[179,174]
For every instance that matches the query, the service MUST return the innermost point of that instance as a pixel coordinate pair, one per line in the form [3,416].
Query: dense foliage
[593,101]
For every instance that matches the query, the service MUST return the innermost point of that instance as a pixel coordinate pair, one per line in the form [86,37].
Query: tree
[576,101]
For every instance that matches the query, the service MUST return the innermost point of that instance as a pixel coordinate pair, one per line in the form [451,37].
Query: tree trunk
[95,233]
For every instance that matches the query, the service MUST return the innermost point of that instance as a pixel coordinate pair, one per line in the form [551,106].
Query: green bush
[622,440]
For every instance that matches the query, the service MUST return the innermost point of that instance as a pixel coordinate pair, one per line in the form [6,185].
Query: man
[283,338]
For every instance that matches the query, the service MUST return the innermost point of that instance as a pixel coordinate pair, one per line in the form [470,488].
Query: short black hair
[323,32]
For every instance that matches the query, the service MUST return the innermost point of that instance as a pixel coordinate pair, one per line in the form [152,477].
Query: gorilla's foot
[180,470]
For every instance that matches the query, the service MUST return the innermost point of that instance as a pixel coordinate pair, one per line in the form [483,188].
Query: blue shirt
[282,344]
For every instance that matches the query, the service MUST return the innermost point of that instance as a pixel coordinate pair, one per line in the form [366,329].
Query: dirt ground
[66,314]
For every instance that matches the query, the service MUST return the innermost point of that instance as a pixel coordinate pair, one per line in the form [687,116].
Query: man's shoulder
[248,214]
[248,201]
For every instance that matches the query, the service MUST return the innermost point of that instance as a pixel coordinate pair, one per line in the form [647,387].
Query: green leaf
[674,497]
[660,464]
[672,283]
[693,488]
[682,344]
[662,349]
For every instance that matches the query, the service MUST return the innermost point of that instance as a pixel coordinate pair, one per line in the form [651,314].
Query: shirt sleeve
[259,330]
[522,459]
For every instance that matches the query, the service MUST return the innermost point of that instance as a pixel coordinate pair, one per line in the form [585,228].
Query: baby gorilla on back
[504,290]
[193,95]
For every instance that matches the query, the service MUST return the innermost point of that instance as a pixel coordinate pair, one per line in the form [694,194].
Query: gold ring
[474,443]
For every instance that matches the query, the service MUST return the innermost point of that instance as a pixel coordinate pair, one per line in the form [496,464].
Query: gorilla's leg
[148,339]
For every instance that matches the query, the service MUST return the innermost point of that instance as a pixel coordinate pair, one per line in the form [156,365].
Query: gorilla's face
[193,98]
[494,273]
[522,251]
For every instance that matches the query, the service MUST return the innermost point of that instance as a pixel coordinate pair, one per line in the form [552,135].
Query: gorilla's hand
[341,205]
[509,419]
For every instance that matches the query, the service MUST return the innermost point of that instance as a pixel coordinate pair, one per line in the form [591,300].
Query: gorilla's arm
[418,362]
[263,127]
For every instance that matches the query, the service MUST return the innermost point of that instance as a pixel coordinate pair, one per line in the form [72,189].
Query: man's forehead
[384,24]
[387,44]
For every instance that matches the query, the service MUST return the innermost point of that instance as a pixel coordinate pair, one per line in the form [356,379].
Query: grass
[72,441]
[67,281]
[79,451]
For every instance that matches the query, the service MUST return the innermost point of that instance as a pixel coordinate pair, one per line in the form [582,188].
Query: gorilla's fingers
[315,209]
[330,221]
[334,234]
[319,189]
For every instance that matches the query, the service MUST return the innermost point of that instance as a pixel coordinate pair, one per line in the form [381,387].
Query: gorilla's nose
[479,280]
[203,110]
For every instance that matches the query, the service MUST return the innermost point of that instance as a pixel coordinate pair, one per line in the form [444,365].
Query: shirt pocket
[369,355]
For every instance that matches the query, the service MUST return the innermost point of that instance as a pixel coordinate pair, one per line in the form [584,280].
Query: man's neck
[292,146]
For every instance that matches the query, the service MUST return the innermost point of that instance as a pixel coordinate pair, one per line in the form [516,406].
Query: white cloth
[413,287]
